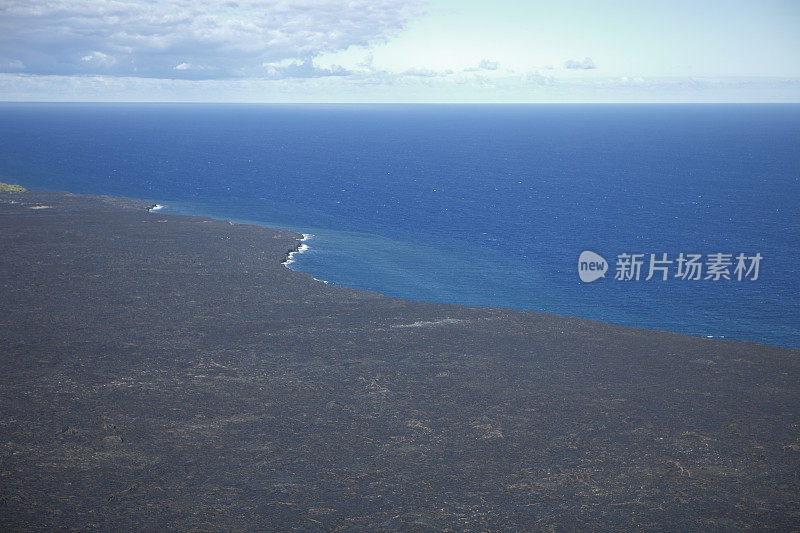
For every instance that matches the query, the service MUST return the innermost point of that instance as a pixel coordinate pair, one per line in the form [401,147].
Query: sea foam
[300,249]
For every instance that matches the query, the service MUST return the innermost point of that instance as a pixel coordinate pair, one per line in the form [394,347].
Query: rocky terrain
[167,372]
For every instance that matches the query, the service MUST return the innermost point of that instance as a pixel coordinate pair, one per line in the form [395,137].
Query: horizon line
[233,102]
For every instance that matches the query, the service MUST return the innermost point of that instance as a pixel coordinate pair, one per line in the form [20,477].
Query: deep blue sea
[485,205]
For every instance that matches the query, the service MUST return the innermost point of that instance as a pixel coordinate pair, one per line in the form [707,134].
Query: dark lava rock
[166,372]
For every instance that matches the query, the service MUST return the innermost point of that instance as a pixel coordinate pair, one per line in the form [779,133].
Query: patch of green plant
[11,187]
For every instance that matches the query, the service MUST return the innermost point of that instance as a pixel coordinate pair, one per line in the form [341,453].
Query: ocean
[482,205]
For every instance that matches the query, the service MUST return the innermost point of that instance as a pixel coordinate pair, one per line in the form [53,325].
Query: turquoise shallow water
[397,267]
[478,205]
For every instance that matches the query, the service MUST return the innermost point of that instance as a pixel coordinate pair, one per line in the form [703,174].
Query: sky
[498,51]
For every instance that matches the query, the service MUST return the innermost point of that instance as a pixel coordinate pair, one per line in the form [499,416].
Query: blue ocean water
[470,204]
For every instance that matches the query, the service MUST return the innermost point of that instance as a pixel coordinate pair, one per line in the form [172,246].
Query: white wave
[156,207]
[300,249]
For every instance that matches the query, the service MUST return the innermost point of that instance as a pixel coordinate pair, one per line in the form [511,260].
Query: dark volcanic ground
[167,372]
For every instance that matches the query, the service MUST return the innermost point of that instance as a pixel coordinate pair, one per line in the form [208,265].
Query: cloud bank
[189,39]
[586,64]
[520,88]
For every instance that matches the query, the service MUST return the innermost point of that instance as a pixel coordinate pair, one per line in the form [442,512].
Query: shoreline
[302,247]
[170,373]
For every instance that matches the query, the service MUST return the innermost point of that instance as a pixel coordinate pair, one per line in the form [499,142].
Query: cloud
[529,87]
[485,64]
[537,78]
[586,64]
[302,69]
[212,38]
[99,58]
[11,65]
[421,73]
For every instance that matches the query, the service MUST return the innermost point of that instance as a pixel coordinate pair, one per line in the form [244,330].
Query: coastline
[145,352]
[628,322]
[299,249]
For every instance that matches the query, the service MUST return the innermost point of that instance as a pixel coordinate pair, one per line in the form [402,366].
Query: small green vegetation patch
[9,187]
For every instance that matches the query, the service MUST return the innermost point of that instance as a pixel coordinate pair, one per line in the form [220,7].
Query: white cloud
[421,73]
[302,69]
[12,65]
[529,87]
[586,64]
[151,38]
[484,65]
[99,58]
